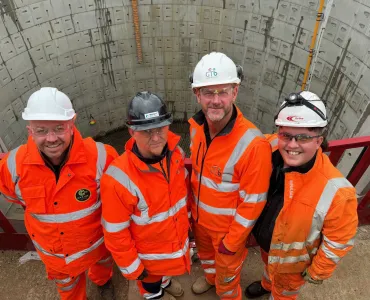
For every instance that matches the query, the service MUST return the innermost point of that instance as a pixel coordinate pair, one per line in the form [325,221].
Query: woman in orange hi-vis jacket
[231,163]
[144,195]
[310,219]
[56,176]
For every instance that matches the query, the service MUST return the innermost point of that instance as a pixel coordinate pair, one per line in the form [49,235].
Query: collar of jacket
[200,119]
[76,154]
[172,142]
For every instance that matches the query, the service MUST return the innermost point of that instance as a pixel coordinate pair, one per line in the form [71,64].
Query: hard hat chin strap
[296,99]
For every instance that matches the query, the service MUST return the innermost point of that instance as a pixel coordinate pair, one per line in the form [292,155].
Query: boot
[255,290]
[201,285]
[167,296]
[106,290]
[174,288]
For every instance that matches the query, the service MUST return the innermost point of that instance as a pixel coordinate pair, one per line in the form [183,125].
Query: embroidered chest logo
[82,195]
[215,170]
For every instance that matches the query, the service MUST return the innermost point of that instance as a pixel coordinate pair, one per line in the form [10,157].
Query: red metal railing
[10,239]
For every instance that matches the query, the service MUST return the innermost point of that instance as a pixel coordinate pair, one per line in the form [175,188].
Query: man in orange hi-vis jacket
[145,216]
[310,219]
[56,176]
[231,162]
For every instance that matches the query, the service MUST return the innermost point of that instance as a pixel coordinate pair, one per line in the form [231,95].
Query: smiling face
[51,137]
[297,153]
[217,101]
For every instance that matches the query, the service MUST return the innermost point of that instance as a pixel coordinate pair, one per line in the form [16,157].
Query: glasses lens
[40,131]
[286,137]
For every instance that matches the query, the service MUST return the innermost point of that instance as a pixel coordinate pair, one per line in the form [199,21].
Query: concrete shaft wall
[86,48]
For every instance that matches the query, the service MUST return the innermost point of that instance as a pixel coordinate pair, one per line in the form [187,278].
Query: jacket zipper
[200,178]
[200,145]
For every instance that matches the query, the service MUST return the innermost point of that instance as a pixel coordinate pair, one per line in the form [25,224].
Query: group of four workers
[85,206]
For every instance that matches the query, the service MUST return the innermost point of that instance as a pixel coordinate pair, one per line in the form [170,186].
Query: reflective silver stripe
[271,297]
[216,210]
[42,250]
[339,246]
[274,142]
[229,279]
[123,179]
[326,198]
[329,254]
[193,132]
[228,293]
[313,251]
[68,288]
[252,198]
[287,247]
[151,295]
[131,268]
[63,281]
[244,222]
[220,187]
[68,217]
[14,199]
[238,151]
[114,227]
[289,293]
[189,214]
[166,280]
[12,164]
[288,259]
[12,167]
[181,151]
[101,161]
[161,216]
[210,270]
[266,275]
[79,254]
[207,262]
[172,255]
[186,173]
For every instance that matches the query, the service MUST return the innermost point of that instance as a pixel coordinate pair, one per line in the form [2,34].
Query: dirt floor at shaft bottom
[350,281]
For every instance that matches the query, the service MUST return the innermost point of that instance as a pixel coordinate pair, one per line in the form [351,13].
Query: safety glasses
[299,138]
[223,93]
[57,130]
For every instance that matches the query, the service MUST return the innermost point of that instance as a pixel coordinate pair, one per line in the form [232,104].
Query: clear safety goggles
[210,94]
[44,131]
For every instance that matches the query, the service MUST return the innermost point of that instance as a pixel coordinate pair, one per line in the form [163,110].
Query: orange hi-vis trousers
[282,286]
[220,269]
[74,287]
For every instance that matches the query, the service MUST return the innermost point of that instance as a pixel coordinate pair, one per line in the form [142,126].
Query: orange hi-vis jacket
[62,218]
[318,222]
[145,217]
[230,177]
[273,140]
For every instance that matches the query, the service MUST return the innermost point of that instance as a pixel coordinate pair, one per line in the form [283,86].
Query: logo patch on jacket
[82,195]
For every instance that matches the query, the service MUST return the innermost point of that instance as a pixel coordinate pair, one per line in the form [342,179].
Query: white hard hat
[215,68]
[48,104]
[303,109]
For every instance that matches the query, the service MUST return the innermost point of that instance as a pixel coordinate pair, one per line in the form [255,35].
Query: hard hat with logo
[48,104]
[304,109]
[146,111]
[215,68]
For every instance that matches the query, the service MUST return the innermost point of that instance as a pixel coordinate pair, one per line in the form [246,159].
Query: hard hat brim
[151,126]
[202,84]
[46,117]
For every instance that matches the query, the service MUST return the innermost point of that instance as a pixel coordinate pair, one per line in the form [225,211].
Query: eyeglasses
[223,93]
[57,130]
[149,133]
[299,138]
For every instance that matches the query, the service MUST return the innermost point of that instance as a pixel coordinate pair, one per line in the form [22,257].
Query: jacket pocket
[35,199]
